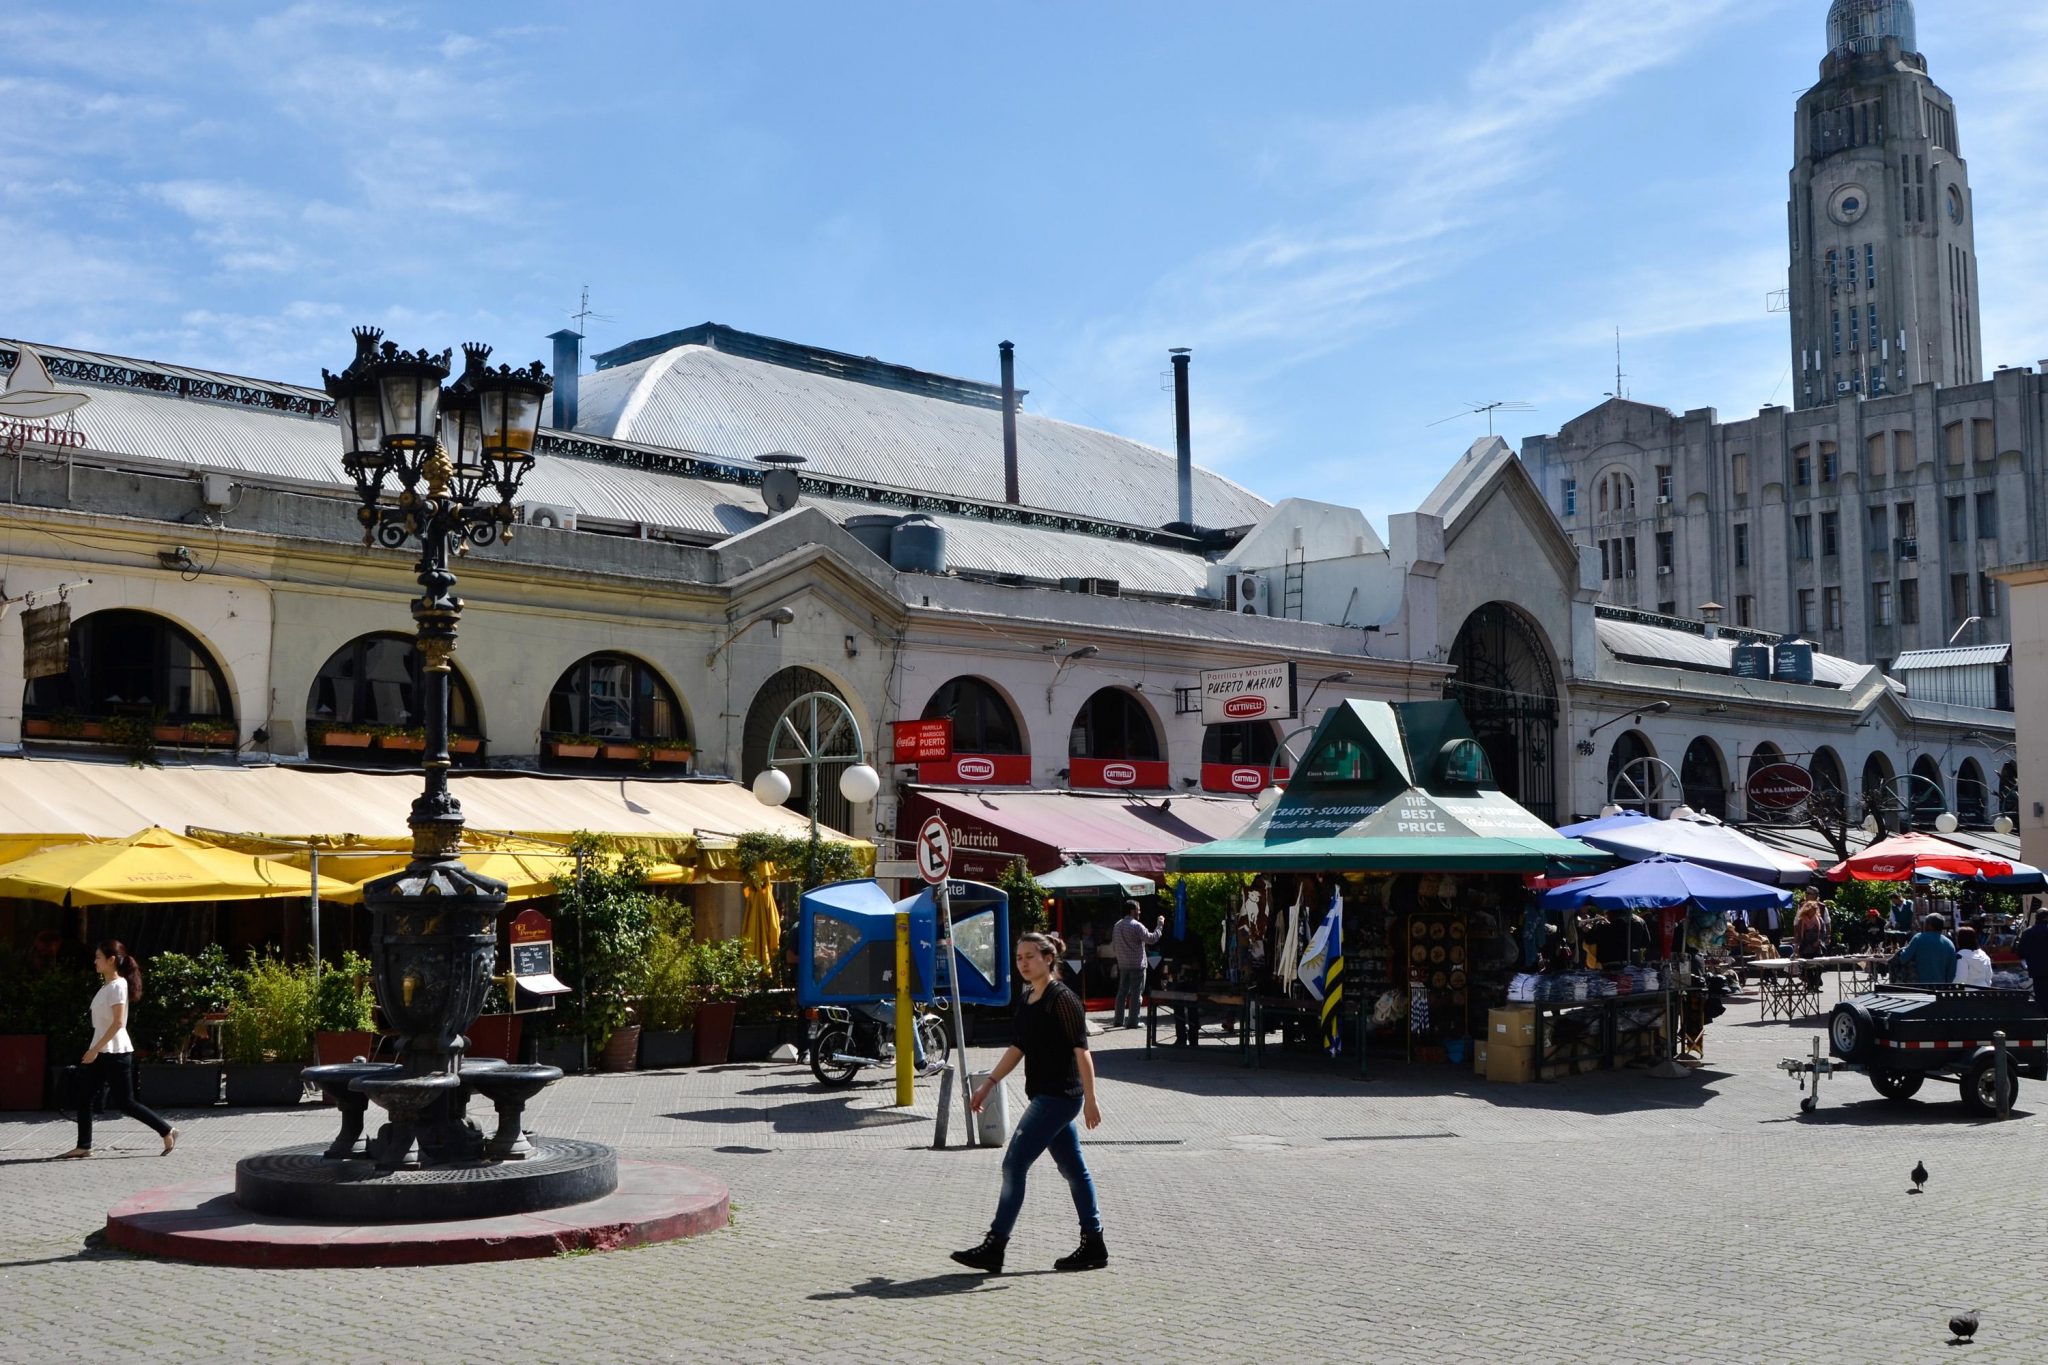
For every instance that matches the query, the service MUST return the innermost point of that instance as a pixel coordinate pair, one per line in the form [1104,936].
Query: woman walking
[1059,1082]
[111,1058]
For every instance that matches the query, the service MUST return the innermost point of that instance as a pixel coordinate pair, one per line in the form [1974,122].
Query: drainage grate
[1386,1137]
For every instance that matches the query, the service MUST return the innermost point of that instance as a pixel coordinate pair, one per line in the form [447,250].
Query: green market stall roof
[1393,787]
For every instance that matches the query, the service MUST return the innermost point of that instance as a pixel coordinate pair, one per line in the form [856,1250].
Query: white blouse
[1973,967]
[114,993]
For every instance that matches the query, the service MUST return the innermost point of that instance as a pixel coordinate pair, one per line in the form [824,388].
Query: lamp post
[815,748]
[439,467]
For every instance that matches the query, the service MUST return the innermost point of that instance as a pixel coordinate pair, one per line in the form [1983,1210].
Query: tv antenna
[1619,391]
[1474,409]
[581,317]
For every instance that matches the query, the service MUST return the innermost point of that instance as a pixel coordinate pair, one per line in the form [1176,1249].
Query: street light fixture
[812,734]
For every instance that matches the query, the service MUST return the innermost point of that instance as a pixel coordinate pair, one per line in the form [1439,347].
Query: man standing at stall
[1929,959]
[1132,942]
[2033,949]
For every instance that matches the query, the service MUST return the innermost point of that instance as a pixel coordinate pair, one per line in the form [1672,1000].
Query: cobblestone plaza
[1287,1213]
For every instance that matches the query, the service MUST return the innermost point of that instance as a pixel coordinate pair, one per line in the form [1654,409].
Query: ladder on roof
[1291,583]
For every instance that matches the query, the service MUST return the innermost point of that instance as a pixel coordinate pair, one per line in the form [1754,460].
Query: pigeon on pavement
[1919,1175]
[1962,1327]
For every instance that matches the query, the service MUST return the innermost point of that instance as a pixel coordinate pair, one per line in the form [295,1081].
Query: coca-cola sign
[974,769]
[1779,787]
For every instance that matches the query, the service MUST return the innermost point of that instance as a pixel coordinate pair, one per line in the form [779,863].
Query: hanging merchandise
[1418,1007]
[1290,946]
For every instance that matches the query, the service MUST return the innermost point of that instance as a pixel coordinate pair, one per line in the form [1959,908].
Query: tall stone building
[1870,518]
[1883,278]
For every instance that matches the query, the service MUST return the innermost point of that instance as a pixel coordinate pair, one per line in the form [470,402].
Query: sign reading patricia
[1779,787]
[921,741]
[1260,692]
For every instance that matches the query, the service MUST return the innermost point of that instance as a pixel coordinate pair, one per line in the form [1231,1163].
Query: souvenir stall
[1393,821]
[1087,901]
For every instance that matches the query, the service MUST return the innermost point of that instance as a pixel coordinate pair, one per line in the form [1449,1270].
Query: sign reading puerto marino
[1260,692]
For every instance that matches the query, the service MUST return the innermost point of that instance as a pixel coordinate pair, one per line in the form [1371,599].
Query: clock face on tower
[1955,205]
[1848,204]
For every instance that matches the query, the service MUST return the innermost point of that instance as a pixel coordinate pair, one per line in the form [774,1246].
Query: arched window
[983,722]
[1631,782]
[1825,767]
[370,688]
[129,664]
[1763,756]
[1973,798]
[1929,797]
[1113,724]
[2009,791]
[1703,779]
[1242,744]
[762,739]
[618,702]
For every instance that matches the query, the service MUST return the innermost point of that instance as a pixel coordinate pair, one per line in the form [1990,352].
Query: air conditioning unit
[1663,499]
[1663,571]
[1841,386]
[552,515]
[1245,593]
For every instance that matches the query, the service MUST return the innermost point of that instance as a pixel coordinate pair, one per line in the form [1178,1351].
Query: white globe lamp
[1267,798]
[1946,822]
[2003,824]
[859,783]
[1609,811]
[1870,824]
[771,788]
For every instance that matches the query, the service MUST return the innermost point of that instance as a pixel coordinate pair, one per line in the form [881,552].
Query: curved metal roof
[1640,643]
[697,398]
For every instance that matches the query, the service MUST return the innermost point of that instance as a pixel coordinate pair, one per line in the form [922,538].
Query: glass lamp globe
[2003,824]
[1869,824]
[1946,822]
[859,783]
[1609,811]
[1267,798]
[771,788]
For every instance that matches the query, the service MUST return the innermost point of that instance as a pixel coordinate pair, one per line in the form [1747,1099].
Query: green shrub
[601,937]
[343,1001]
[809,862]
[667,1001]
[55,1000]
[177,991]
[270,1015]
[724,972]
[1027,899]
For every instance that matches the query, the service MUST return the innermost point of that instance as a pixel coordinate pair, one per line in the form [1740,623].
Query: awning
[1047,829]
[60,800]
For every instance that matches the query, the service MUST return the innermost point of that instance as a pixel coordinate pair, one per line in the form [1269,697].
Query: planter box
[22,1059]
[265,1085]
[566,1053]
[628,752]
[343,1046]
[344,739]
[50,729]
[461,745]
[753,1042]
[621,1050]
[557,749]
[187,736]
[714,1032]
[495,1035]
[409,743]
[660,1049]
[671,755]
[178,1085]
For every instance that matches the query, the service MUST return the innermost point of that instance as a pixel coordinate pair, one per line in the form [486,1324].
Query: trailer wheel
[1980,1086]
[1897,1085]
[1851,1031]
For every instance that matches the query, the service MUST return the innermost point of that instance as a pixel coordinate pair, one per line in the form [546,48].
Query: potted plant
[620,749]
[135,734]
[574,746]
[269,1032]
[411,738]
[757,1022]
[668,1001]
[213,732]
[344,1012]
[601,933]
[334,734]
[64,723]
[465,744]
[43,1026]
[663,751]
[723,975]
[177,992]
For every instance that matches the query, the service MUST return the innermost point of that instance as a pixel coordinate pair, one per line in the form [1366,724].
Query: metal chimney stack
[568,364]
[1183,440]
[1011,494]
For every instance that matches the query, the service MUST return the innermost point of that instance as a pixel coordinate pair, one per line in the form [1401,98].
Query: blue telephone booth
[846,944]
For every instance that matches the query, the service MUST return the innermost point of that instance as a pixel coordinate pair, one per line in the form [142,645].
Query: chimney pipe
[568,363]
[1183,443]
[1008,353]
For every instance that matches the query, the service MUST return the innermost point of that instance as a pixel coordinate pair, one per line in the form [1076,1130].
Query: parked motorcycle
[843,1041]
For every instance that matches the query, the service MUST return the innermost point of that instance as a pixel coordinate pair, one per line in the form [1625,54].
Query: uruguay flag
[1333,977]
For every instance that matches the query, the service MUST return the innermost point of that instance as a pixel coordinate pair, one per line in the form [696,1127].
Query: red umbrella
[1898,858]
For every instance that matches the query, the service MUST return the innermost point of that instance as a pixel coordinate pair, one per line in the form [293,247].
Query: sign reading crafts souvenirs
[921,741]
[1260,692]
[1779,787]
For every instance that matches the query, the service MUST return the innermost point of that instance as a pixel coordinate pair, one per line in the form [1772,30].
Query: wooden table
[1188,1008]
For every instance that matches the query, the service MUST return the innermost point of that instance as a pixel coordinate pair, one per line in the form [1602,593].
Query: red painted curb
[200,1221]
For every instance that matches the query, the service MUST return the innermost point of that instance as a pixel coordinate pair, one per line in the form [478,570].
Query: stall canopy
[1661,883]
[1897,859]
[1049,829]
[1706,842]
[1392,787]
[152,865]
[1620,820]
[691,823]
[1085,877]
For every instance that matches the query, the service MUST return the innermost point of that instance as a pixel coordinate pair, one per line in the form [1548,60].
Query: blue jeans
[1047,1125]
[1130,986]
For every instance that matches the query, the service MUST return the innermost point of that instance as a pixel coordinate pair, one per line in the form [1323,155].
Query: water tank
[1792,662]
[918,545]
[873,530]
[1750,661]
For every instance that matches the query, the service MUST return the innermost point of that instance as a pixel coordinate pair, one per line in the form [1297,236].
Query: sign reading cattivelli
[1259,692]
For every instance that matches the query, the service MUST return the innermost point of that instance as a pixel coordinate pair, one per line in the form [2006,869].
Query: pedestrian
[110,1060]
[1973,964]
[2034,952]
[1059,1085]
[1929,959]
[1133,943]
[1902,914]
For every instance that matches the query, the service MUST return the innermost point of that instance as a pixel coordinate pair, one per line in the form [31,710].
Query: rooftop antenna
[1498,405]
[581,317]
[1619,391]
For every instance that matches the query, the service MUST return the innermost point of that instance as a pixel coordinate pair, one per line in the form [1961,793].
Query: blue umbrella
[1660,883]
[1620,820]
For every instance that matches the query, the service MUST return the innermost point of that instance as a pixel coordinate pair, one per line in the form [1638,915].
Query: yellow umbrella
[526,875]
[761,925]
[153,866]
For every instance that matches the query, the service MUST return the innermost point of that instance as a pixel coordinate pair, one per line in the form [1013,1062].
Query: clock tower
[1884,262]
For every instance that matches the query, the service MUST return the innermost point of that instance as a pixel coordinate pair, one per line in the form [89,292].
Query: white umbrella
[1095,877]
[1707,844]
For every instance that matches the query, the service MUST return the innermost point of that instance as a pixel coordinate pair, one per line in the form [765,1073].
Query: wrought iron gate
[1504,682]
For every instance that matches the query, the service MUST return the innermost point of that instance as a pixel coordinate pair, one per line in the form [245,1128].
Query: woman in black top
[1059,1081]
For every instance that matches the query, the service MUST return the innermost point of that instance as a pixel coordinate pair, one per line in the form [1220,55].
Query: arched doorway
[366,706]
[767,707]
[983,722]
[1703,779]
[133,679]
[1825,767]
[1114,743]
[618,705]
[1508,689]
[1635,779]
[1876,784]
[1928,798]
[1973,797]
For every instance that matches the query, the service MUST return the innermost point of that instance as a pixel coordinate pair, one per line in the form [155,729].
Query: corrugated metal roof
[700,399]
[1961,657]
[1683,649]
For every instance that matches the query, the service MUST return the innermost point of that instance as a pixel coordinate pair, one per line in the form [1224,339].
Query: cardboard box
[1512,1025]
[1514,1065]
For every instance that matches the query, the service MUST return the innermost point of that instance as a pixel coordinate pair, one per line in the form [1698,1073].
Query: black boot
[1090,1255]
[988,1256]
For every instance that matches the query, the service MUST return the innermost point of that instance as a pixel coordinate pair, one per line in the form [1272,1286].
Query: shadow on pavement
[931,1287]
[831,1114]
[1883,1113]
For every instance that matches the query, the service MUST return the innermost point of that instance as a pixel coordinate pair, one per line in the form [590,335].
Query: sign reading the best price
[1260,692]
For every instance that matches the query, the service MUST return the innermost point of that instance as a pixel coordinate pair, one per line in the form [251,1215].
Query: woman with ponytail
[111,1058]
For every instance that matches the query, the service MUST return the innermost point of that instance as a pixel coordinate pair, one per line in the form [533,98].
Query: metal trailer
[1901,1035]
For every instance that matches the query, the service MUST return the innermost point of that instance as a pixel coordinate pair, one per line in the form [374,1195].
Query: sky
[1363,218]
